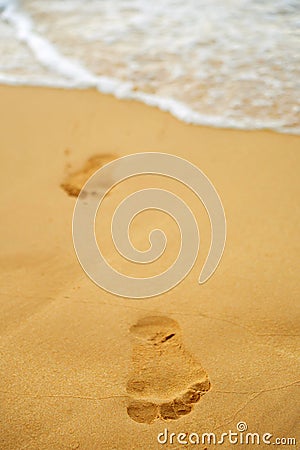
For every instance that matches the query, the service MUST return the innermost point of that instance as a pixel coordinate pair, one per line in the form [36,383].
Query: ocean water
[226,63]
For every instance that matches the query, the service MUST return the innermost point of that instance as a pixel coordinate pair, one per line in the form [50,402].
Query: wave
[60,69]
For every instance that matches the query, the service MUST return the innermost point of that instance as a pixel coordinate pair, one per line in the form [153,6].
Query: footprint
[166,381]
[74,182]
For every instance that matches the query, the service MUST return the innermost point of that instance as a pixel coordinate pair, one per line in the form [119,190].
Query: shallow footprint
[74,182]
[166,380]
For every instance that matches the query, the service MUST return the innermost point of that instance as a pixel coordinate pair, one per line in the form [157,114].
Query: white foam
[43,50]
[61,70]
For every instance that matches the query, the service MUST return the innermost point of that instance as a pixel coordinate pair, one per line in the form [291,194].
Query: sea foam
[207,63]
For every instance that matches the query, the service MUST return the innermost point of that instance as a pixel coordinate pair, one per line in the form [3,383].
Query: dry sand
[78,367]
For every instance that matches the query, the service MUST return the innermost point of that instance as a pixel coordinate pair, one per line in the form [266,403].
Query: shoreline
[175,108]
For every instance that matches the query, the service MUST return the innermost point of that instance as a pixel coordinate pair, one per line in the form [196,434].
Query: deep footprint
[74,182]
[166,381]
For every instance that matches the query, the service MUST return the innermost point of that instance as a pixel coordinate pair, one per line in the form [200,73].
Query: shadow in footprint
[166,380]
[74,181]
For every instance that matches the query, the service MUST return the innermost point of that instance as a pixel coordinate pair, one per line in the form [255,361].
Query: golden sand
[83,369]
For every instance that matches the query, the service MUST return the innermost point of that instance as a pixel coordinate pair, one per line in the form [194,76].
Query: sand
[83,369]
